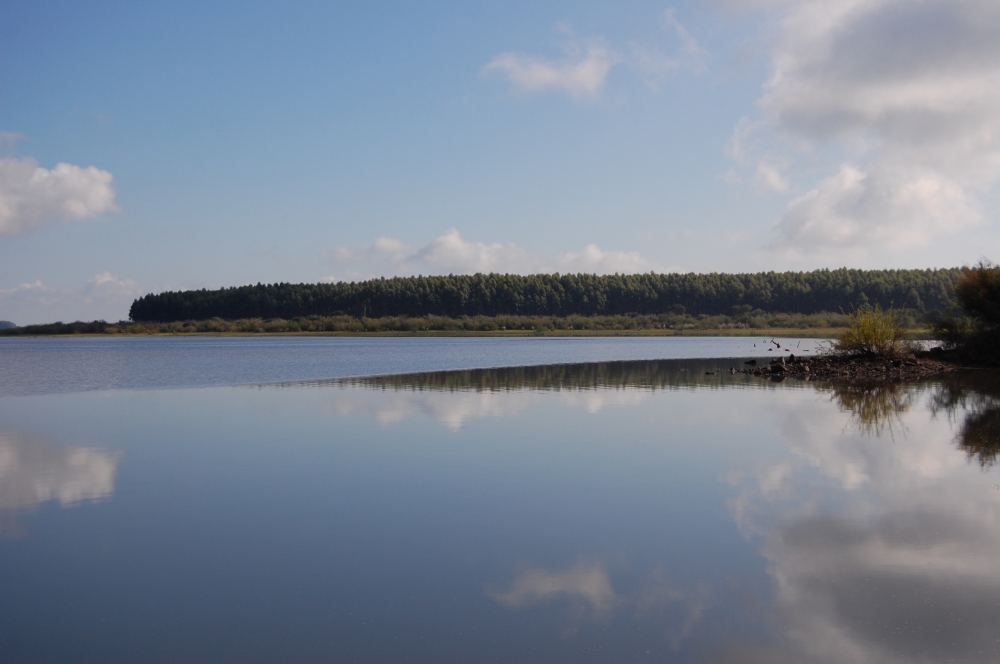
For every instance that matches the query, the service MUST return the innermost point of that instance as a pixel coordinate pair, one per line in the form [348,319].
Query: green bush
[872,332]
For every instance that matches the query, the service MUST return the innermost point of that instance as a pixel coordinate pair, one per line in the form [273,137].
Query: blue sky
[153,146]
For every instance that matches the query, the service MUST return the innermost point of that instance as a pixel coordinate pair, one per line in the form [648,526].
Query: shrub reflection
[874,408]
[978,395]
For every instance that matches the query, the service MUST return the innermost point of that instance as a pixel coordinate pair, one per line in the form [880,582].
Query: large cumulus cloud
[31,195]
[906,95]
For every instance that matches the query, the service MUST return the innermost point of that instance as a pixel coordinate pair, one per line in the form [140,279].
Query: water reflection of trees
[977,394]
[875,408]
[656,374]
[878,408]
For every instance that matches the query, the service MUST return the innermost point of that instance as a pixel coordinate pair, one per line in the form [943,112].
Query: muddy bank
[838,367]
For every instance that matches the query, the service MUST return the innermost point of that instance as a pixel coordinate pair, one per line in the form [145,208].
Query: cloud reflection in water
[674,611]
[453,398]
[33,471]
[877,515]
[454,410]
[587,582]
[883,548]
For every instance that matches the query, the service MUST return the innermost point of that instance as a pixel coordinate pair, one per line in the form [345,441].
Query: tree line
[456,296]
[342,323]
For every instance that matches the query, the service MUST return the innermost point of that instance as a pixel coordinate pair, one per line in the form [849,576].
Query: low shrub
[872,332]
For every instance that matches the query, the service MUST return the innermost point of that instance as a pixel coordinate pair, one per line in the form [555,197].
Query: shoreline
[858,368]
[798,333]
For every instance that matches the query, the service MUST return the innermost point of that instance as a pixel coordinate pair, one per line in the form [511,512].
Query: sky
[165,146]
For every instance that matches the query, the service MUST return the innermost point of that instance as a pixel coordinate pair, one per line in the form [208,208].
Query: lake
[457,500]
[71,364]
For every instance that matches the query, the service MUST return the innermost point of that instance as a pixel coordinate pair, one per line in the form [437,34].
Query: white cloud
[906,92]
[731,177]
[582,75]
[750,5]
[585,67]
[741,142]
[450,253]
[921,77]
[894,209]
[381,250]
[689,45]
[396,249]
[105,282]
[10,139]
[770,177]
[31,196]
[103,296]
[33,293]
[652,63]
[595,260]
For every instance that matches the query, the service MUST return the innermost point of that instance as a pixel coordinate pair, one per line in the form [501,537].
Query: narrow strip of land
[424,328]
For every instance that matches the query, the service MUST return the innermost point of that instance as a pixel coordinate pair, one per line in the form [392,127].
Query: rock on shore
[845,367]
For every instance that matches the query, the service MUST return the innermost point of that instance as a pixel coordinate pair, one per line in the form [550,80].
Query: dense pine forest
[457,296]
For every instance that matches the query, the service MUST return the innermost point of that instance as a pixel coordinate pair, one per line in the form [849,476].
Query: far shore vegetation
[738,296]
[851,305]
[746,324]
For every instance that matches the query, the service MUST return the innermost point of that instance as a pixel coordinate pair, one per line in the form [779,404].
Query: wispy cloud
[31,196]
[689,46]
[8,141]
[450,253]
[580,75]
[103,296]
[769,176]
[585,65]
[595,260]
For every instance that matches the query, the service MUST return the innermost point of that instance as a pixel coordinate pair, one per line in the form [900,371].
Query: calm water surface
[605,512]
[48,364]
